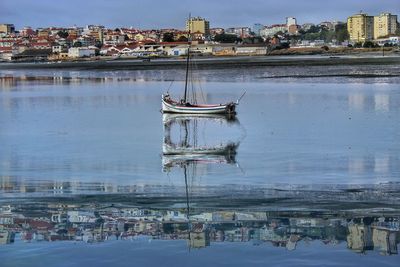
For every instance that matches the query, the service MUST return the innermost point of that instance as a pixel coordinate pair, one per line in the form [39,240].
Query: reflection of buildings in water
[356,101]
[199,239]
[382,102]
[356,165]
[292,98]
[103,222]
[362,237]
[359,238]
[378,102]
[198,236]
[6,237]
[14,82]
[378,164]
[381,163]
[384,240]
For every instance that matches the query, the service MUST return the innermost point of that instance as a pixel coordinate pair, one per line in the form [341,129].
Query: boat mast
[187,60]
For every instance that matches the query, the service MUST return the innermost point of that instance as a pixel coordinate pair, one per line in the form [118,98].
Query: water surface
[312,177]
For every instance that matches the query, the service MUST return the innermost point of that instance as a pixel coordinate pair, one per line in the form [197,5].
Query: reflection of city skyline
[379,101]
[101,222]
[380,165]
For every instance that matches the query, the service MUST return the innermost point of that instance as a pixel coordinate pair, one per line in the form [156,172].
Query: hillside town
[94,42]
[93,223]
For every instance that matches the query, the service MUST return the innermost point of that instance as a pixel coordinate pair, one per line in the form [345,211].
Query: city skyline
[222,14]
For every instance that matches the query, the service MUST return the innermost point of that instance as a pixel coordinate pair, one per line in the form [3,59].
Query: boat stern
[231,108]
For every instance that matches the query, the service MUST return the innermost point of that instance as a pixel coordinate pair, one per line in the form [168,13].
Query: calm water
[306,144]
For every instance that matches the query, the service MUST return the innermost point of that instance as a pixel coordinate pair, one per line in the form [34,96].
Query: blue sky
[172,13]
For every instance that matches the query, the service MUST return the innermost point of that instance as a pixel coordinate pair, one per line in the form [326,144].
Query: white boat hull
[206,109]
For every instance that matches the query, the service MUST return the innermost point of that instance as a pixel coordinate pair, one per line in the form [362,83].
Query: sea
[306,174]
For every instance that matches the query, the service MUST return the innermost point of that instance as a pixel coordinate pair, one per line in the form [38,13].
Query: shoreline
[210,62]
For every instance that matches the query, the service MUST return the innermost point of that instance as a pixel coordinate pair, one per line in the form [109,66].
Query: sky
[147,14]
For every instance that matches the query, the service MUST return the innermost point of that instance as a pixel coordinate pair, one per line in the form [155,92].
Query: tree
[283,46]
[326,35]
[369,44]
[98,44]
[168,37]
[62,34]
[341,33]
[253,40]
[326,48]
[314,29]
[398,30]
[77,44]
[227,38]
[182,39]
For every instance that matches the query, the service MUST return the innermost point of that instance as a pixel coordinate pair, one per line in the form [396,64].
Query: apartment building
[7,28]
[360,27]
[384,25]
[198,24]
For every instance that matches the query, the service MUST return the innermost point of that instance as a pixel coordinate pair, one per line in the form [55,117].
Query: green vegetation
[253,40]
[63,34]
[282,46]
[340,34]
[77,44]
[182,39]
[227,38]
[168,37]
[369,44]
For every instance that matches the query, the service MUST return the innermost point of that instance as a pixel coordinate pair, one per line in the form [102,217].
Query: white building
[175,216]
[239,31]
[392,40]
[274,29]
[291,21]
[251,50]
[57,48]
[180,50]
[203,49]
[77,52]
[81,217]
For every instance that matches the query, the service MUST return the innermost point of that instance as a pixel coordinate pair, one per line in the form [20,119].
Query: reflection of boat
[170,161]
[190,148]
[189,105]
[169,118]
[226,149]
[188,151]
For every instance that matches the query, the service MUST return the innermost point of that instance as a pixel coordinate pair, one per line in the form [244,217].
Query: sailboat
[185,106]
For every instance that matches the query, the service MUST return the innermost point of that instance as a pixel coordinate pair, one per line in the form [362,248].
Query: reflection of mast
[187,202]
[198,234]
[187,153]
